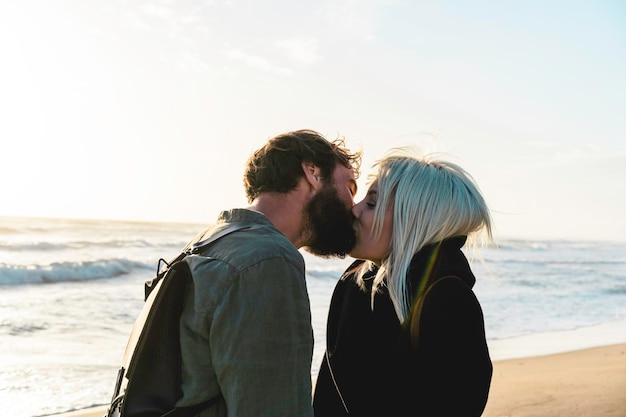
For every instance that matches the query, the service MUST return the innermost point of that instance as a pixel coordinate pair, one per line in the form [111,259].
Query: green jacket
[246,326]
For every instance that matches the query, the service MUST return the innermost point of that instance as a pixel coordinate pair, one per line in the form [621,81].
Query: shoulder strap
[190,249]
[195,248]
[416,311]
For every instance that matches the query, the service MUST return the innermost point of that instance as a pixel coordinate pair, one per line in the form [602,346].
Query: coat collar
[439,260]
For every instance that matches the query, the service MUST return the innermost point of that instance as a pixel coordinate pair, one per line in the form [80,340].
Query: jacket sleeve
[261,342]
[453,368]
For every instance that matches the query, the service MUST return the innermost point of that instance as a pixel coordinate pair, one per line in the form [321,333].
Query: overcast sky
[148,110]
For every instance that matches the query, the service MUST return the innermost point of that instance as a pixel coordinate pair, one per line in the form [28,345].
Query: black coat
[374,365]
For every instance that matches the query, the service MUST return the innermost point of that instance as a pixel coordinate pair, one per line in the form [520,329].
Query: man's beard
[330,225]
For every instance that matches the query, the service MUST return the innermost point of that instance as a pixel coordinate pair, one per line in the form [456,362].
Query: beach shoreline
[590,382]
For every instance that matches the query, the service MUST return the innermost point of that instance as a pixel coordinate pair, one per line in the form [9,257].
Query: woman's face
[366,246]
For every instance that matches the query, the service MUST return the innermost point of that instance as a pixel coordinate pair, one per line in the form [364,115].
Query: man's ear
[312,174]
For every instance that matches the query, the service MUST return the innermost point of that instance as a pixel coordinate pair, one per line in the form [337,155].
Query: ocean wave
[5,230]
[17,246]
[21,328]
[616,290]
[547,245]
[67,271]
[553,261]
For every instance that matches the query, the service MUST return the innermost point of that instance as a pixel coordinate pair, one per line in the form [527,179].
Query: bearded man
[245,331]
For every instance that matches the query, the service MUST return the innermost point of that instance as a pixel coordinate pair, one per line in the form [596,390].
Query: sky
[148,110]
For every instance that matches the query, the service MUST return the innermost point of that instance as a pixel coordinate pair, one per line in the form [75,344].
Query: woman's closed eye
[371,198]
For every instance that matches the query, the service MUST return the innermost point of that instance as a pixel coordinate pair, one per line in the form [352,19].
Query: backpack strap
[189,250]
[416,311]
[196,247]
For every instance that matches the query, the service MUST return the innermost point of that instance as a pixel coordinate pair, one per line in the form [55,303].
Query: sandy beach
[583,383]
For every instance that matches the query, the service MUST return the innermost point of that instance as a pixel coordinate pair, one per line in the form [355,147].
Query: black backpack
[148,383]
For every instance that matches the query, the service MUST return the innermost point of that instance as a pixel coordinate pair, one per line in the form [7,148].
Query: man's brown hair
[277,166]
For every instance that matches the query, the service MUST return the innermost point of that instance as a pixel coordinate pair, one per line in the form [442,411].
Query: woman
[405,332]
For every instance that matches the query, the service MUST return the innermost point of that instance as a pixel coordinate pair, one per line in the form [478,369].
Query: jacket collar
[439,260]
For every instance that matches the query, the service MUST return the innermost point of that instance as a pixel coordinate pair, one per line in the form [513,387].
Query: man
[246,326]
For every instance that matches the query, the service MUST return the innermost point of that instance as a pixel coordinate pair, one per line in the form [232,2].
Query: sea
[72,289]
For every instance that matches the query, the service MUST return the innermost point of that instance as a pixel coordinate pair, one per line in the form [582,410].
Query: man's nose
[355,210]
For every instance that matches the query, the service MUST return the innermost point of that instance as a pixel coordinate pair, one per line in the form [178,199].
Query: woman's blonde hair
[432,200]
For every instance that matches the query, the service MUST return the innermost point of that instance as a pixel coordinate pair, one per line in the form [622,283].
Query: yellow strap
[416,312]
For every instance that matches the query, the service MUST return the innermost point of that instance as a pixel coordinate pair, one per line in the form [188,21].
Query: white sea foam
[538,344]
[67,271]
